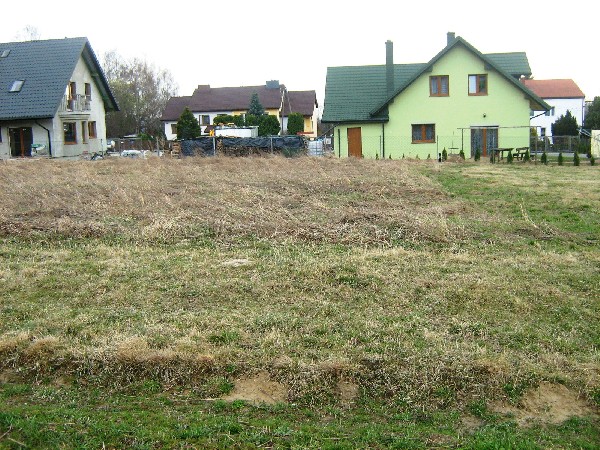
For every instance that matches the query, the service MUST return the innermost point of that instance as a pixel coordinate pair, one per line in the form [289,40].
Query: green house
[461,99]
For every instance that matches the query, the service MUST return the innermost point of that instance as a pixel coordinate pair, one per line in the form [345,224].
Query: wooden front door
[20,141]
[483,139]
[355,142]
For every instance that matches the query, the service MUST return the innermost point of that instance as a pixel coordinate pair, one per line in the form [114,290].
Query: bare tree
[142,92]
[29,33]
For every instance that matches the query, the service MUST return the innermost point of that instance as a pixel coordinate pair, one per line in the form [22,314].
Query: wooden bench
[520,152]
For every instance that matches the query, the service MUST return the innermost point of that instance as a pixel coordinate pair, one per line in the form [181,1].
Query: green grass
[134,296]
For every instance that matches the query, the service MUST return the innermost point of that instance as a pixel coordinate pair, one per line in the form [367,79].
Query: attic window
[17,85]
[4,53]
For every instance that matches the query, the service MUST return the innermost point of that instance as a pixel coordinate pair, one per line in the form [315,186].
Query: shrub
[509,158]
[527,156]
[561,159]
[544,158]
[592,160]
[576,158]
[376,155]
[428,155]
[444,154]
[477,154]
[462,153]
[295,123]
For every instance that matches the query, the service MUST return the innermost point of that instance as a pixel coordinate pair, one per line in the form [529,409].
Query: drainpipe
[49,141]
[383,139]
[339,144]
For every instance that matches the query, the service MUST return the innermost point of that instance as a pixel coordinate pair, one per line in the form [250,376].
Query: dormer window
[16,86]
[4,53]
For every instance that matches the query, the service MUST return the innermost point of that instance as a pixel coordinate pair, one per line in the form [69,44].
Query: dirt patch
[548,403]
[347,392]
[258,389]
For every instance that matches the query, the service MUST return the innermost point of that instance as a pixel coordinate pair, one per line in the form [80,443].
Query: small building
[53,99]
[206,103]
[562,95]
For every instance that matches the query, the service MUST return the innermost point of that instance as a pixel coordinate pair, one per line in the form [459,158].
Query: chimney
[389,66]
[450,36]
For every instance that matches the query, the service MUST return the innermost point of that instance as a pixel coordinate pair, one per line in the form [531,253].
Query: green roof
[358,93]
[515,63]
[46,68]
[352,92]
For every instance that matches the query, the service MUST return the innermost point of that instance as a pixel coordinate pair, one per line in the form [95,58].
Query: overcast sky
[244,43]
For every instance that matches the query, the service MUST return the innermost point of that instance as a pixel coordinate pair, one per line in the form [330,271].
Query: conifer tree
[255,108]
[187,126]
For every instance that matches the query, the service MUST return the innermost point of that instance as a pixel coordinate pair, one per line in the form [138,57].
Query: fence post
[214,146]
[271,144]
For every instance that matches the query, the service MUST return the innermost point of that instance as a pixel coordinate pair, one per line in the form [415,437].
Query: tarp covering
[209,146]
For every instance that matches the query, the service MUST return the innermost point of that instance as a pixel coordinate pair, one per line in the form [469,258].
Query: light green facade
[505,107]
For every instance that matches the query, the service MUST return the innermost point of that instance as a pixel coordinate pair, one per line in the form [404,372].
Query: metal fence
[558,144]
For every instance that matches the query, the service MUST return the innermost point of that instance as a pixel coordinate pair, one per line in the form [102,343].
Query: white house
[562,95]
[208,102]
[53,99]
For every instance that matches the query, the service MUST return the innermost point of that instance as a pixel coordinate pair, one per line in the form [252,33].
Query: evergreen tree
[255,108]
[444,154]
[509,157]
[477,154]
[576,159]
[544,159]
[592,115]
[461,153]
[187,126]
[268,126]
[592,160]
[295,123]
[565,125]
[527,156]
[561,159]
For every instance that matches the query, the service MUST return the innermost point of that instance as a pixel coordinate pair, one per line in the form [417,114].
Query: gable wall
[81,75]
[504,106]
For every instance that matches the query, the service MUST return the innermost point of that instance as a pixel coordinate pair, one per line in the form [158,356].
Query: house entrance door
[355,142]
[20,141]
[483,139]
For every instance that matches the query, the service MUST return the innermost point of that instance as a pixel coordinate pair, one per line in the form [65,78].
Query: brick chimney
[389,66]
[450,36]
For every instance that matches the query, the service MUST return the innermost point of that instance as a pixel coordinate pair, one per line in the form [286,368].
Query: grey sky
[238,43]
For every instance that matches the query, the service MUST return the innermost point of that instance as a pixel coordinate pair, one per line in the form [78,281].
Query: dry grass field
[469,289]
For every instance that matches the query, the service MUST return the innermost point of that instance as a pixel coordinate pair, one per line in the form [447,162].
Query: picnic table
[498,152]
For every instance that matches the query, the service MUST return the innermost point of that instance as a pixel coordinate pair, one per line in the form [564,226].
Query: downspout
[383,139]
[49,141]
[339,144]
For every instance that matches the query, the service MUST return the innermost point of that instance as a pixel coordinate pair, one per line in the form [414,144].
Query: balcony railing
[77,103]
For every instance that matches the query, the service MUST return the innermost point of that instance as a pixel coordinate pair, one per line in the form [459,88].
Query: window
[173,128]
[88,91]
[70,132]
[204,120]
[542,132]
[439,86]
[4,53]
[83,132]
[92,130]
[478,84]
[550,112]
[17,85]
[423,133]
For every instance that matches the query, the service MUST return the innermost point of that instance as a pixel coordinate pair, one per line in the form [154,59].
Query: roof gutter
[49,140]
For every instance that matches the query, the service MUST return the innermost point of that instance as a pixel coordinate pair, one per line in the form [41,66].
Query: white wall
[172,136]
[81,75]
[596,143]
[561,106]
